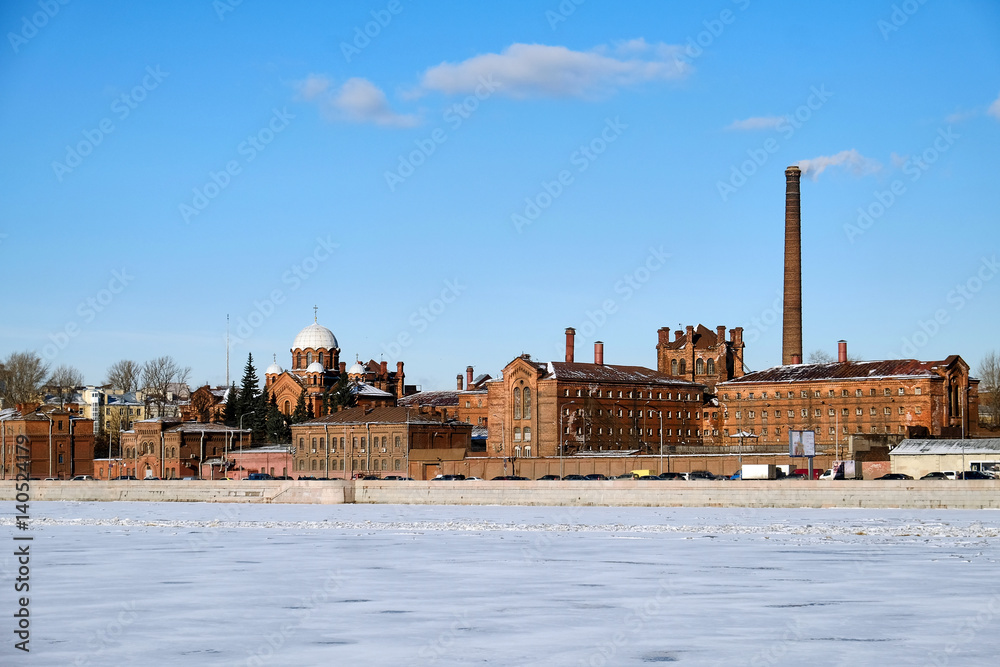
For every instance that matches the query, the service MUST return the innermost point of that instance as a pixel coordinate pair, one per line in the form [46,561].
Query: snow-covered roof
[915,446]
[850,370]
[609,373]
[368,391]
[316,337]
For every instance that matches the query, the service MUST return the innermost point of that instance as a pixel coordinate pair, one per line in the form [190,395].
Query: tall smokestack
[570,335]
[599,353]
[468,377]
[842,351]
[791,339]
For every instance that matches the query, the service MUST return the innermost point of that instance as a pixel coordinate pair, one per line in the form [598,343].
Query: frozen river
[215,584]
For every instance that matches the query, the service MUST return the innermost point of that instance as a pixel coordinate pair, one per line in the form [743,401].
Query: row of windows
[831,393]
[701,367]
[608,393]
[631,431]
[652,414]
[831,412]
[309,359]
[522,403]
[518,432]
[354,443]
[359,464]
[874,428]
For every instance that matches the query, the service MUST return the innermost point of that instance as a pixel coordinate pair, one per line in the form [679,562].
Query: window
[517,434]
[287,408]
[901,410]
[683,366]
[314,444]
[396,464]
[699,367]
[802,394]
[527,434]
[917,391]
[871,392]
[791,413]
[737,414]
[833,431]
[362,444]
[302,442]
[320,357]
[751,414]
[527,403]
[843,393]
[579,392]
[527,451]
[871,411]
[858,412]
[805,413]
[309,360]
[397,442]
[750,395]
[673,367]
[517,451]
[763,394]
[322,443]
[816,412]
[857,393]
[816,394]
[831,412]
[902,391]
[830,393]
[917,410]
[517,402]
[887,391]
[710,367]
[887,411]
[777,413]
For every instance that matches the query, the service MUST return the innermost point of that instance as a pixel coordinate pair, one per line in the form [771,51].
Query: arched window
[321,359]
[298,360]
[673,367]
[314,444]
[302,442]
[314,464]
[683,366]
[710,367]
[527,403]
[322,443]
[396,465]
[517,403]
[517,451]
[302,464]
[385,464]
[699,367]
[517,434]
[527,451]
[309,358]
[527,434]
[397,442]
[288,408]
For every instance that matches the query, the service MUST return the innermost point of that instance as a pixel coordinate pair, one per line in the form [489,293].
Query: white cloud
[852,159]
[757,123]
[537,70]
[357,100]
[994,109]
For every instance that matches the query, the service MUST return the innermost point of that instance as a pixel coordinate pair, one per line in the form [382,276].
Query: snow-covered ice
[219,584]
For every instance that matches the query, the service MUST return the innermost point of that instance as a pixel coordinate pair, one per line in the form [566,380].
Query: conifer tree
[249,392]
[229,416]
[300,415]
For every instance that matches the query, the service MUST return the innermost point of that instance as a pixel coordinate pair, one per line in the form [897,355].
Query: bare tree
[820,357]
[21,378]
[124,375]
[989,387]
[160,377]
[63,381]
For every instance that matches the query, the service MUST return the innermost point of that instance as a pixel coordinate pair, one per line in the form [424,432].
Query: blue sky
[470,180]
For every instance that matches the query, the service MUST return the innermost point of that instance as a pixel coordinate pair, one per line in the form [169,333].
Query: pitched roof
[704,338]
[444,398]
[851,370]
[387,415]
[197,427]
[368,391]
[610,373]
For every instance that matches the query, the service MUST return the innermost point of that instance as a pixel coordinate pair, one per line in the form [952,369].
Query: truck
[759,471]
[843,470]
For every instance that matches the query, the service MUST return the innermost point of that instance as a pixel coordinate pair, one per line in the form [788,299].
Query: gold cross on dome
[315,320]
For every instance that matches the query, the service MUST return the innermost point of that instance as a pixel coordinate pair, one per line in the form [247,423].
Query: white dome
[274,369]
[316,337]
[315,367]
[357,369]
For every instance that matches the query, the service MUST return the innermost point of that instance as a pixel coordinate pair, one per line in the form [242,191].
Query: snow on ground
[220,584]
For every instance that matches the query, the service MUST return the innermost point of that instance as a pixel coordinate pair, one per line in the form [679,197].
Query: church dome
[315,367]
[316,337]
[274,369]
[357,369]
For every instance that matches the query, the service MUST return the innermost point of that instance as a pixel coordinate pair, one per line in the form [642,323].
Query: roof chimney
[791,339]
[468,377]
[720,335]
[663,335]
[842,351]
[677,335]
[599,353]
[690,334]
[458,382]
[570,334]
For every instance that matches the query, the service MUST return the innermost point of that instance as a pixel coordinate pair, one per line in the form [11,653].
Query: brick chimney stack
[791,338]
[570,335]
[720,335]
[468,377]
[842,351]
[458,382]
[663,335]
[690,334]
[736,342]
[599,353]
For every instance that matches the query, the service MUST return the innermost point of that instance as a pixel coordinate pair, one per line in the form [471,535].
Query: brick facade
[700,354]
[60,445]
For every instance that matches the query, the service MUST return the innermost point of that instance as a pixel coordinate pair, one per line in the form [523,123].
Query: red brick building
[700,354]
[60,444]
[896,397]
[172,450]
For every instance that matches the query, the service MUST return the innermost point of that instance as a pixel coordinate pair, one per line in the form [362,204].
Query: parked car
[473,479]
[894,475]
[575,477]
[830,473]
[367,477]
[973,474]
[126,477]
[397,478]
[448,478]
[649,477]
[683,476]
[701,474]
[83,478]
[935,475]
[628,475]
[256,476]
[796,475]
[549,477]
[596,476]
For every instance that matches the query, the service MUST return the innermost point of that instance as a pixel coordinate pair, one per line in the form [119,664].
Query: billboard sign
[802,443]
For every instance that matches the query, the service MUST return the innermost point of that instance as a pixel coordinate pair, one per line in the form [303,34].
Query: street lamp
[241,438]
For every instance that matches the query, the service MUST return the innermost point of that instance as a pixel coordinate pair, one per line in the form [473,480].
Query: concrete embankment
[944,494]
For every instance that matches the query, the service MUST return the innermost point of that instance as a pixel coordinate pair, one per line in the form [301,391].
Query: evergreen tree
[309,411]
[300,415]
[341,396]
[260,416]
[229,415]
[249,392]
[277,427]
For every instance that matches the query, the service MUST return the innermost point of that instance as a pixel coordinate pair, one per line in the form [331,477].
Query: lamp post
[241,438]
